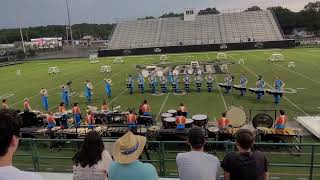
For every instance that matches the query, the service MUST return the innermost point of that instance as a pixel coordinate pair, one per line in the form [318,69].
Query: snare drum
[200,120]
[173,112]
[169,123]
[189,123]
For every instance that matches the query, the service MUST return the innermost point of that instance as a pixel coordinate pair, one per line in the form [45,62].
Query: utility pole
[21,35]
[69,23]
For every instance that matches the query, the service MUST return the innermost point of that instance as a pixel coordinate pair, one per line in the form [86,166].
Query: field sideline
[303,82]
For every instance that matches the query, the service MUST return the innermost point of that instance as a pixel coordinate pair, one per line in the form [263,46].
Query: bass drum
[237,116]
[262,120]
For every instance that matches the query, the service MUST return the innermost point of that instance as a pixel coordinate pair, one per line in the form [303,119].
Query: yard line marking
[162,106]
[214,76]
[287,99]
[118,96]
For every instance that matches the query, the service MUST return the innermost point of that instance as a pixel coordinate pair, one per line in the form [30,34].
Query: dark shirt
[245,166]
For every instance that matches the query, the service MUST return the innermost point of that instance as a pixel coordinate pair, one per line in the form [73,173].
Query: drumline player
[243,84]
[223,122]
[163,82]
[90,120]
[141,82]
[130,84]
[64,119]
[183,110]
[132,121]
[76,114]
[198,80]
[186,81]
[281,120]
[104,106]
[209,79]
[26,105]
[5,104]
[228,80]
[260,87]
[153,82]
[51,121]
[175,83]
[180,120]
[278,86]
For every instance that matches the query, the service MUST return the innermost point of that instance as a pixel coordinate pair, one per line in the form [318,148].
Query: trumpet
[89,85]
[108,81]
[44,92]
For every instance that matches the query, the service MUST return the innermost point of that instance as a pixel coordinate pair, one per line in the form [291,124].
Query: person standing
[65,95]
[9,139]
[76,114]
[126,152]
[281,120]
[108,87]
[196,164]
[243,84]
[245,164]
[88,91]
[260,87]
[145,108]
[26,105]
[44,99]
[278,87]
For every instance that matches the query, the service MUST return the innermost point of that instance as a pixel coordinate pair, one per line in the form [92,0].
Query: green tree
[208,11]
[254,8]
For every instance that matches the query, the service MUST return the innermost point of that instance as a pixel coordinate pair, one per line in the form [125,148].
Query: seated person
[5,104]
[132,120]
[104,106]
[281,120]
[223,122]
[26,105]
[180,120]
[90,120]
[183,109]
[51,121]
[145,108]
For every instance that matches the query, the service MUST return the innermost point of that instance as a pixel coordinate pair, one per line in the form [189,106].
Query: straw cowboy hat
[128,148]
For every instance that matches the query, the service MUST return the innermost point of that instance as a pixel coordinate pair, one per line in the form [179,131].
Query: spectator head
[282,112]
[61,104]
[10,123]
[90,151]
[244,139]
[128,148]
[179,113]
[224,114]
[196,138]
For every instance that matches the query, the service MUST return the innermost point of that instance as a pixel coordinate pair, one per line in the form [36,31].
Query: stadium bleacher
[206,29]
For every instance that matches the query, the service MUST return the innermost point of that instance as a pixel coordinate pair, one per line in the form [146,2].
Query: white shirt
[196,165]
[12,173]
[95,172]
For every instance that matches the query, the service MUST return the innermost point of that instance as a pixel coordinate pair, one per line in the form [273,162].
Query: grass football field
[301,99]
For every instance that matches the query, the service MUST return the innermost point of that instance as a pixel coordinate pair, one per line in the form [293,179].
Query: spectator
[10,123]
[92,161]
[126,152]
[196,164]
[5,104]
[245,164]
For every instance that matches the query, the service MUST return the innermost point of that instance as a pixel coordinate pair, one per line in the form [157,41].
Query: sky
[47,12]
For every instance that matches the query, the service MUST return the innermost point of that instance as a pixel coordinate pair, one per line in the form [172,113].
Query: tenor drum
[169,123]
[200,120]
[189,123]
[173,112]
[165,115]
[237,116]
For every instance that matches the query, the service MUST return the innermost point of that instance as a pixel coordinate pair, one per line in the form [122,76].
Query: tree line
[308,17]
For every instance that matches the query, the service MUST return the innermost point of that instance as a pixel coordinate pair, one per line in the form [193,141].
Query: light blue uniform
[108,89]
[65,96]
[88,93]
[260,86]
[243,83]
[175,82]
[44,100]
[170,77]
[141,83]
[278,87]
[186,80]
[153,83]
[130,82]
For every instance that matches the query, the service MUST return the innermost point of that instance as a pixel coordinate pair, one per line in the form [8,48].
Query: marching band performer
[76,114]
[183,110]
[260,86]
[243,84]
[186,80]
[180,120]
[141,82]
[278,86]
[209,79]
[88,89]
[170,76]
[145,108]
[26,105]
[281,120]
[44,99]
[198,80]
[130,84]
[228,80]
[223,122]
[107,87]
[175,83]
[90,120]
[5,104]
[163,82]
[64,120]
[104,106]
[132,121]
[152,82]
[65,95]
[51,121]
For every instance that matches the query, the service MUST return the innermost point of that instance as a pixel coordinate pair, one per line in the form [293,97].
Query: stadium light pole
[69,21]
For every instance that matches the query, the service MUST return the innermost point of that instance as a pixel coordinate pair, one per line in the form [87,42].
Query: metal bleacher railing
[35,155]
